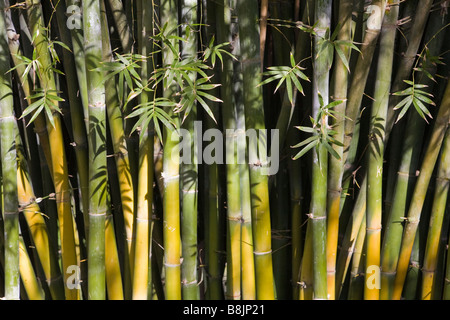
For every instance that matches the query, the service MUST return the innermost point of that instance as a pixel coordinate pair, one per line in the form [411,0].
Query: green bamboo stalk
[254,119]
[376,145]
[189,171]
[418,197]
[97,150]
[436,220]
[171,170]
[336,166]
[233,286]
[9,171]
[321,66]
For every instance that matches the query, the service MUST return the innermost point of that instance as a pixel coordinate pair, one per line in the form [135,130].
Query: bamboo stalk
[405,175]
[357,274]
[336,166]
[408,58]
[30,282]
[58,165]
[9,172]
[361,71]
[143,229]
[76,33]
[233,285]
[171,171]
[254,119]
[189,171]
[244,217]
[350,237]
[263,29]
[38,228]
[113,277]
[306,280]
[436,220]
[321,66]
[122,25]
[213,217]
[76,111]
[418,197]
[97,150]
[376,146]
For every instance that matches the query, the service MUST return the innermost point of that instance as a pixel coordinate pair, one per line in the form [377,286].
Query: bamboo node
[261,253]
[313,217]
[172,265]
[166,177]
[406,174]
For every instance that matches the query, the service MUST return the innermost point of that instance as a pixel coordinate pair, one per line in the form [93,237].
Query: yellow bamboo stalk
[57,147]
[31,284]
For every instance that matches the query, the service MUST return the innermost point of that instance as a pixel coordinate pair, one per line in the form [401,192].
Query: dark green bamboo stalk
[9,170]
[254,119]
[97,150]
[213,233]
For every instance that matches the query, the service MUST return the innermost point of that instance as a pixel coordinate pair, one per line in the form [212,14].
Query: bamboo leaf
[306,149]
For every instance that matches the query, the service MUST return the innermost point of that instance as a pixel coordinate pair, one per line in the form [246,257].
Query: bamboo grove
[128,169]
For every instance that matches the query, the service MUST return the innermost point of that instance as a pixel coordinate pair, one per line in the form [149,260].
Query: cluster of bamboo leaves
[97,203]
